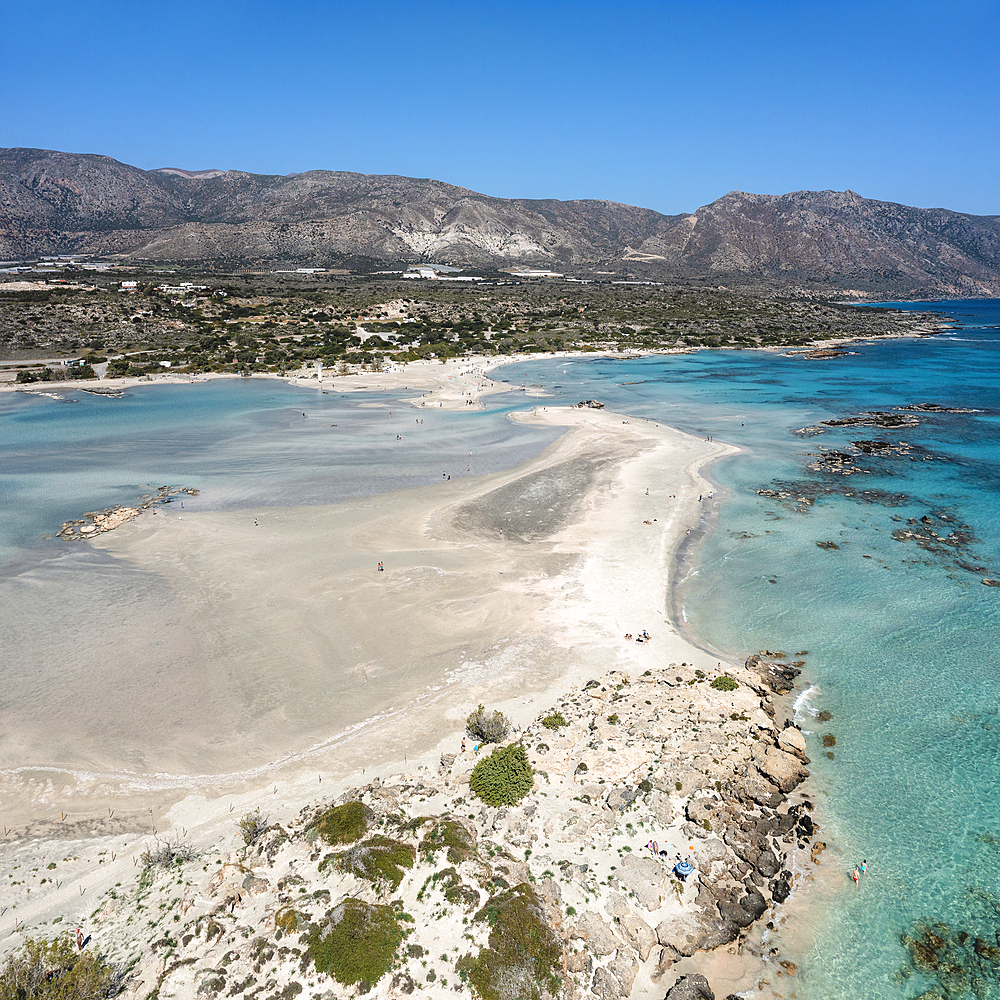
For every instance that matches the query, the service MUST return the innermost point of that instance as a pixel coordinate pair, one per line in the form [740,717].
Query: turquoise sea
[901,638]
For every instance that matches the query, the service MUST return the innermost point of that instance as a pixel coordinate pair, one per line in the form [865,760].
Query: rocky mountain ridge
[61,203]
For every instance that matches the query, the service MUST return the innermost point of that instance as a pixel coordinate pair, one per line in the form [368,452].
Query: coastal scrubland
[259,325]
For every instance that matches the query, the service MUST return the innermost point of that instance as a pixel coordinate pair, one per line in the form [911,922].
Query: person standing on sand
[463,744]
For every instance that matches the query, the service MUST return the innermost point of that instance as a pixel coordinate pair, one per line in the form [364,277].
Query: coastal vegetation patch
[503,778]
[257,324]
[486,726]
[378,859]
[343,824]
[724,683]
[554,721]
[523,956]
[450,835]
[252,827]
[41,969]
[356,943]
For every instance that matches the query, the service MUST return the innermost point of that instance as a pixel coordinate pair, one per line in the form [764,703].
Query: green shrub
[357,943]
[487,727]
[461,844]
[27,973]
[613,719]
[503,778]
[343,824]
[724,683]
[379,859]
[554,721]
[523,955]
[252,827]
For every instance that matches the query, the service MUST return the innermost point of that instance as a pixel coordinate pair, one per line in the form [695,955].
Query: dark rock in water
[780,890]
[827,545]
[934,408]
[988,582]
[874,418]
[835,461]
[692,987]
[988,951]
[779,677]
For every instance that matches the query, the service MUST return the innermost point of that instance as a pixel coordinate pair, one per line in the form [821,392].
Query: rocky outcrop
[690,988]
[96,522]
[705,774]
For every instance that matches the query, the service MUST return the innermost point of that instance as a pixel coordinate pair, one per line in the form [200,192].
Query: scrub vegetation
[42,969]
[260,324]
[523,956]
[503,778]
[343,824]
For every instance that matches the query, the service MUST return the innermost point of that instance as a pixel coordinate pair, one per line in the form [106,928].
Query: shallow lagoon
[902,644]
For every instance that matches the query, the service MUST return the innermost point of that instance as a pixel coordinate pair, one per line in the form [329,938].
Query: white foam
[802,707]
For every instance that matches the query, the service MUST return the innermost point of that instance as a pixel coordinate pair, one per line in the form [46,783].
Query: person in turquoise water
[864,867]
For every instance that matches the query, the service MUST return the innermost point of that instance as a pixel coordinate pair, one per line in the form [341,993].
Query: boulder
[780,889]
[606,986]
[662,808]
[792,741]
[646,878]
[709,850]
[579,961]
[637,933]
[785,770]
[255,885]
[756,788]
[693,987]
[755,851]
[592,929]
[623,968]
[617,905]
[686,933]
[621,798]
[706,813]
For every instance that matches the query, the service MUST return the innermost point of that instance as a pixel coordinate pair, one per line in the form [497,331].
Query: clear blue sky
[665,105]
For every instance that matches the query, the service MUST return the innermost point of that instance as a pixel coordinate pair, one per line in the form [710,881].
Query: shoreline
[205,818]
[450,397]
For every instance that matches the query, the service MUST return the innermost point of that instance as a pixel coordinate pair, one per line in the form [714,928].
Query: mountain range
[838,242]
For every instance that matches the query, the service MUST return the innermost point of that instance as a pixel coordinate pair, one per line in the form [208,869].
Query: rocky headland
[413,883]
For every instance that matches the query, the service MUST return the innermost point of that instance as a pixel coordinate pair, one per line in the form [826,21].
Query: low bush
[724,683]
[487,727]
[450,834]
[523,956]
[343,824]
[357,943]
[55,969]
[252,827]
[503,778]
[164,852]
[379,859]
[554,721]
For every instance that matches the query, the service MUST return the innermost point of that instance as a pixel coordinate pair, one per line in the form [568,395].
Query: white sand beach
[300,652]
